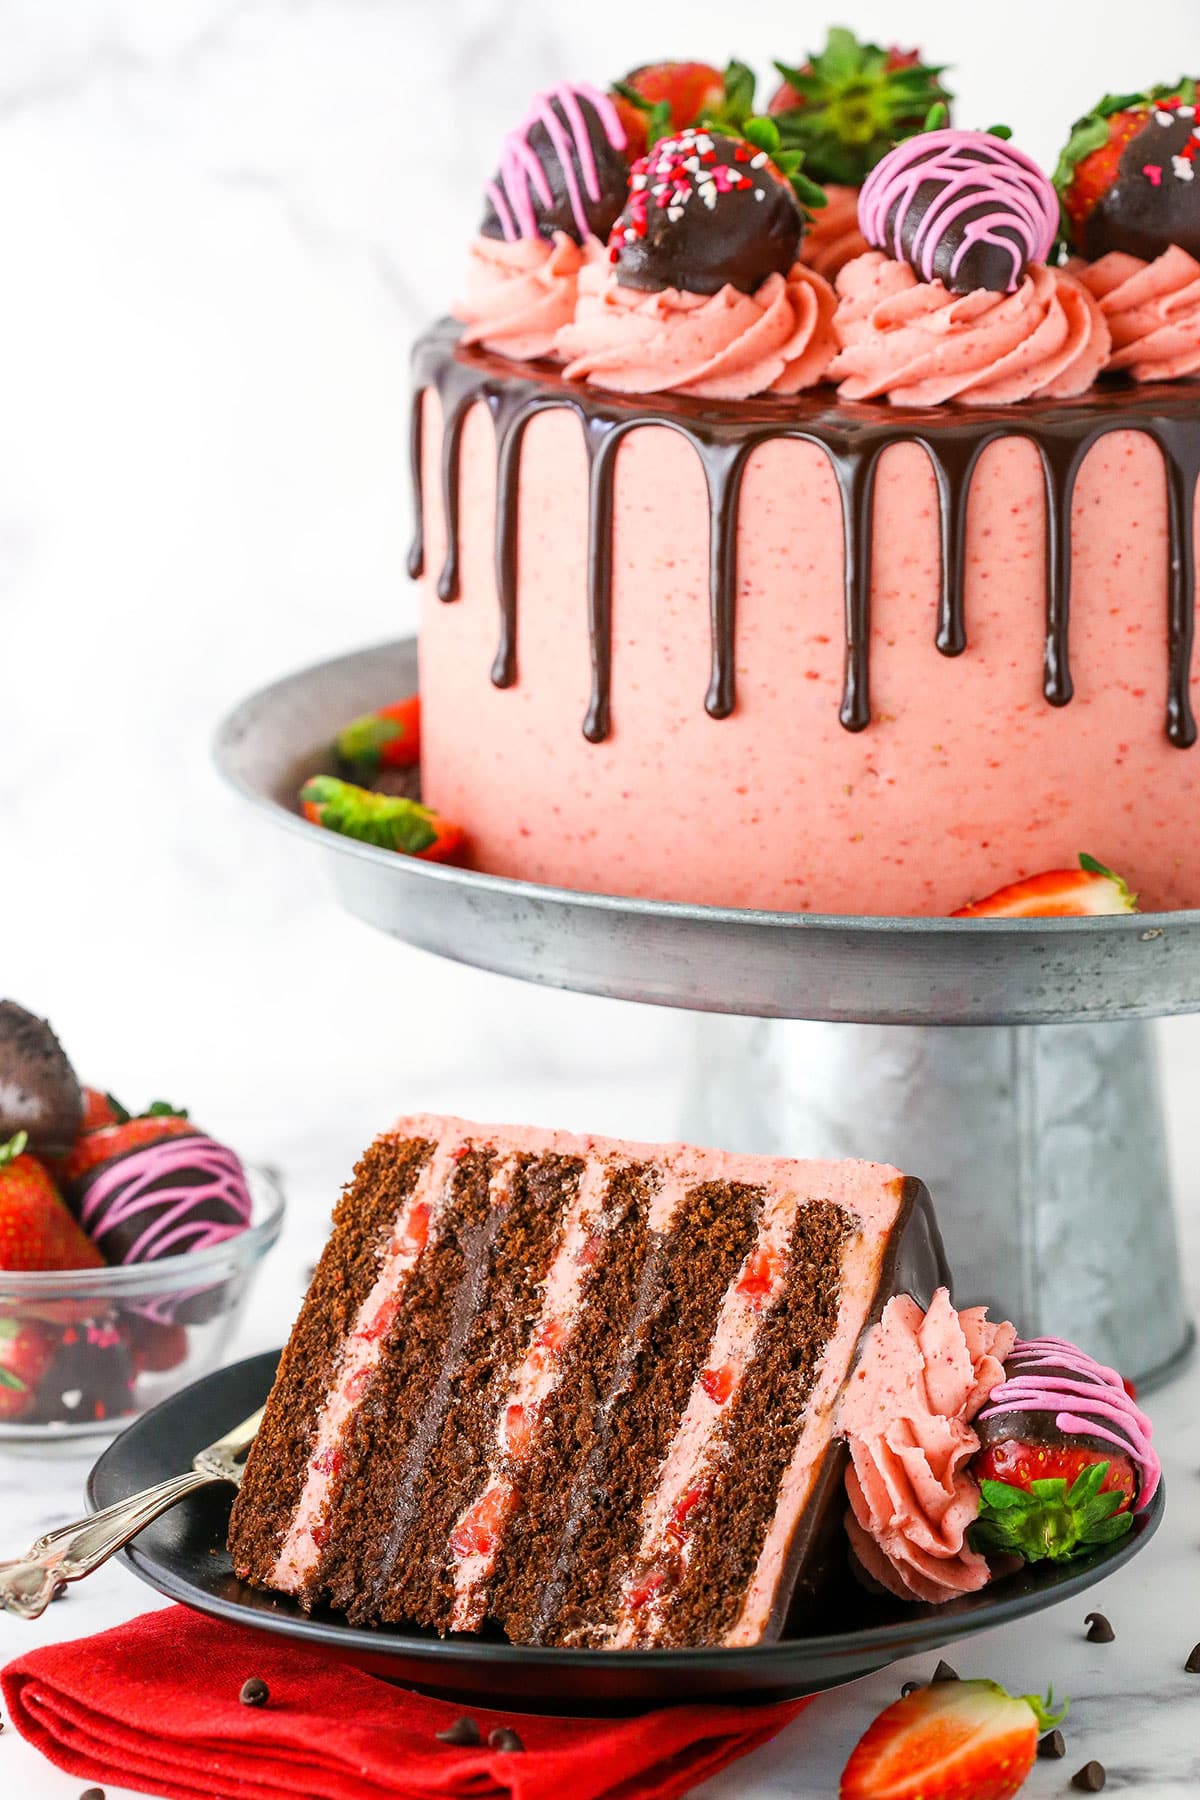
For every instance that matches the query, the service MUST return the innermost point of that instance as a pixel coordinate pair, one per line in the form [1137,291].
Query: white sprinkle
[1184,170]
[630,234]
[691,164]
[637,181]
[758,194]
[756,162]
[674,213]
[1185,112]
[1164,118]
[710,197]
[703,144]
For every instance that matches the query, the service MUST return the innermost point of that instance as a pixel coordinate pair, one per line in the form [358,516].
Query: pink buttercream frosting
[1152,310]
[922,1377]
[833,237]
[520,294]
[921,345]
[724,346]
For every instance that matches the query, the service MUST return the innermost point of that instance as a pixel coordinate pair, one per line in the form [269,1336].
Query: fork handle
[28,1585]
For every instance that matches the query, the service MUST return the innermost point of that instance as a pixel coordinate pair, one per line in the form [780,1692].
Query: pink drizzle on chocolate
[167,1198]
[1082,1397]
[943,197]
[521,176]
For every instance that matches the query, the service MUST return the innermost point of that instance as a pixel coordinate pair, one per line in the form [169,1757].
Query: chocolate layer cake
[575,1388]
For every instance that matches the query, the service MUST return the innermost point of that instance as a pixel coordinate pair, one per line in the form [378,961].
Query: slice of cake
[579,1389]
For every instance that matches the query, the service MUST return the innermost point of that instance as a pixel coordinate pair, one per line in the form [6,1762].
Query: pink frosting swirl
[1085,1398]
[833,237]
[921,345]
[1152,310]
[520,294]
[724,346]
[964,185]
[905,1414]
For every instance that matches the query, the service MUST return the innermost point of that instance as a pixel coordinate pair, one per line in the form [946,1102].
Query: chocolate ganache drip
[853,438]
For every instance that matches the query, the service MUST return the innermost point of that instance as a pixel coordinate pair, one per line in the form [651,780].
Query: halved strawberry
[661,98]
[717,1383]
[1018,1463]
[389,738]
[100,1109]
[386,820]
[953,1740]
[763,1269]
[1085,892]
[1052,1517]
[847,106]
[1090,164]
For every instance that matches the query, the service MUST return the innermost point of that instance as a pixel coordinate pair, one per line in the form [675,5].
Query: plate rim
[894,1639]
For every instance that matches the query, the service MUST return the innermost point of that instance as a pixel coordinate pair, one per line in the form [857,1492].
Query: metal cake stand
[1036,1122]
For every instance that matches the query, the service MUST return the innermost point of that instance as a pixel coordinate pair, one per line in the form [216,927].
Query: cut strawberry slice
[677,1524]
[645,1589]
[329,1461]
[1091,890]
[763,1270]
[718,1383]
[478,1531]
[416,1232]
[953,1740]
[519,1424]
[552,1336]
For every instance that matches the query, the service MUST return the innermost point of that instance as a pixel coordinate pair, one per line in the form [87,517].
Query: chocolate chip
[92,1794]
[504,1739]
[944,1672]
[255,1692]
[464,1734]
[1090,1779]
[1052,1746]
[1099,1631]
[1192,1665]
[911,1687]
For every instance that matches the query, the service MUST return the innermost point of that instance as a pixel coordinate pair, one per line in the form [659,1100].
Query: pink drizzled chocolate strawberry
[563,168]
[1066,1457]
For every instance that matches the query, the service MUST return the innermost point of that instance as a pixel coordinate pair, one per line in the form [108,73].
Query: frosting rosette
[921,345]
[833,237]
[1152,310]
[723,346]
[519,294]
[906,1416]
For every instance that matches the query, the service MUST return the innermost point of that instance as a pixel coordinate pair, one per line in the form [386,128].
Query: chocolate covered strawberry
[389,738]
[1065,1457]
[26,1352]
[1127,177]
[661,98]
[1085,892]
[953,1740]
[387,820]
[36,1230]
[846,107]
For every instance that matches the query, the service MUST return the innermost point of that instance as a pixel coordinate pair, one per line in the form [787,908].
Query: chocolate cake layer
[577,1389]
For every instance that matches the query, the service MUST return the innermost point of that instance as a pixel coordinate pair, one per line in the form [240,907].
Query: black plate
[183,1555]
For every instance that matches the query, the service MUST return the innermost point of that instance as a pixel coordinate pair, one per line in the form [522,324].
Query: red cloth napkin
[154,1705]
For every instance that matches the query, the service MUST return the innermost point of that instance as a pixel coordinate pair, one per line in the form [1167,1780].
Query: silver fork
[28,1585]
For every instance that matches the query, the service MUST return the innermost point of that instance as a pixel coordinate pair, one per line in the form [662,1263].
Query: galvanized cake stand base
[1007,1063]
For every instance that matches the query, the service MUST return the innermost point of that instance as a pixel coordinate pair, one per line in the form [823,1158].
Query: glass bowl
[95,1347]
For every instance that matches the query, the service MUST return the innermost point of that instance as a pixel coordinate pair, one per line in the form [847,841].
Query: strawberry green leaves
[1050,1521]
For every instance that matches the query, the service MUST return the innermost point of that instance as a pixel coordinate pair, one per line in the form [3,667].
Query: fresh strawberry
[1059,894]
[1077,1500]
[26,1352]
[100,1109]
[477,1533]
[847,107]
[1090,165]
[386,820]
[160,1120]
[661,98]
[387,739]
[953,1740]
[36,1230]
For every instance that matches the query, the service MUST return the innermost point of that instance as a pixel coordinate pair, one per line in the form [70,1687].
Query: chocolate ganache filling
[853,438]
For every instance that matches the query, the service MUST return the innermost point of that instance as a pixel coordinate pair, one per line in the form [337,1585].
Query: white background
[221,223]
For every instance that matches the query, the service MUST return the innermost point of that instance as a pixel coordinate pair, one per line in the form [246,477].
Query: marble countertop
[1132,1705]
